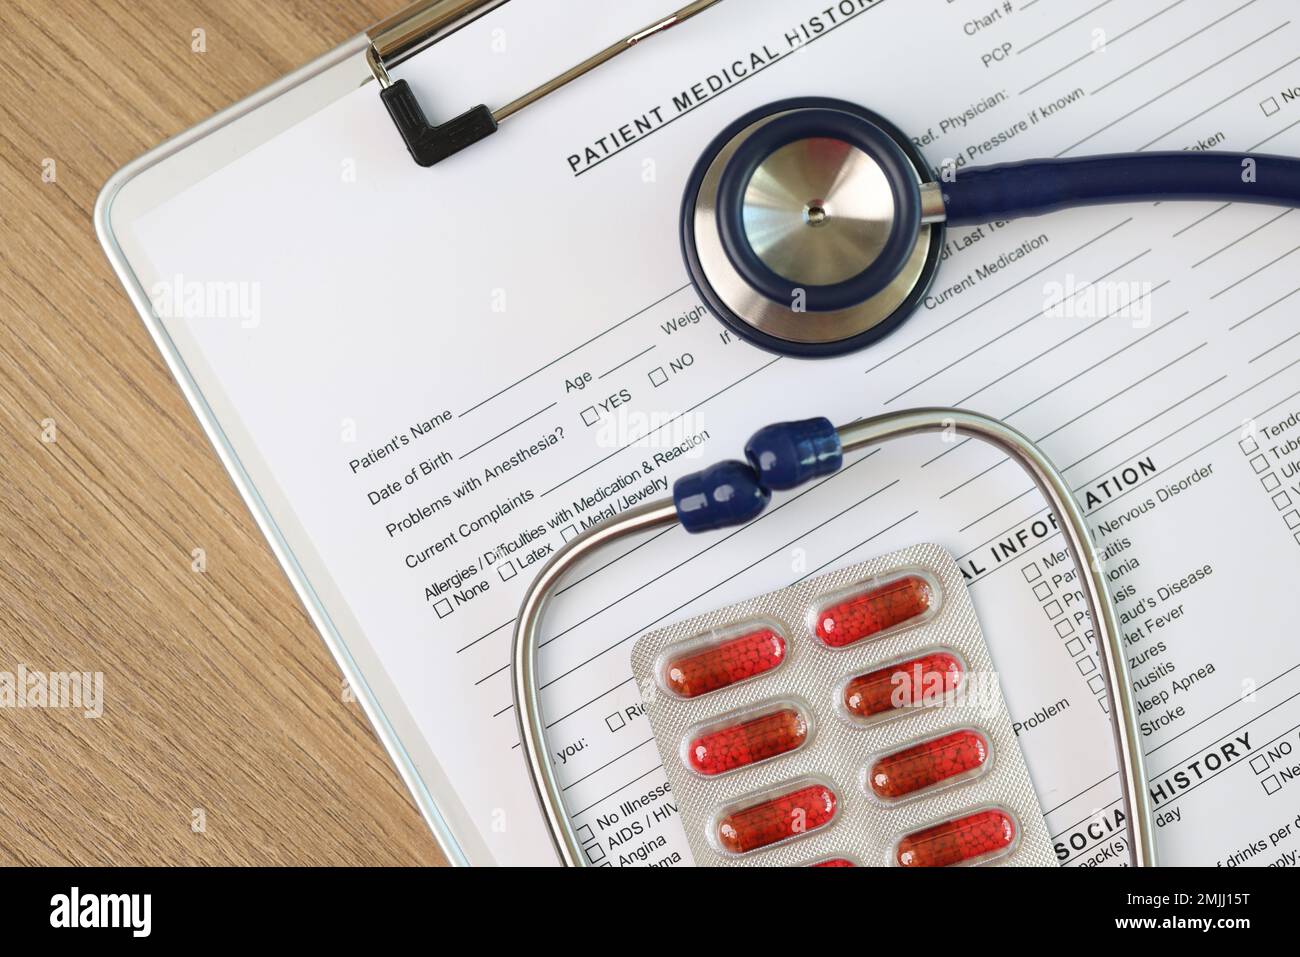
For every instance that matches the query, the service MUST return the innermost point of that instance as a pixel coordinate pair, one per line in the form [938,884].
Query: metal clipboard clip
[429,21]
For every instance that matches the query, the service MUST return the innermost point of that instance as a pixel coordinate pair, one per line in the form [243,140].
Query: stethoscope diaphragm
[804,227]
[813,228]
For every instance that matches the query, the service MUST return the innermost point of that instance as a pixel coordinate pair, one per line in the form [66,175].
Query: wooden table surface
[225,736]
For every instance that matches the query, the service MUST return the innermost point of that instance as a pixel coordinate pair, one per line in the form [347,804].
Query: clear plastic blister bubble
[721,657]
[893,689]
[778,815]
[975,837]
[849,720]
[839,860]
[922,767]
[875,608]
[747,737]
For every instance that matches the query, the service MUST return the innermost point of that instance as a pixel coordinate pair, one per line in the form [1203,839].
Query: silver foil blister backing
[864,829]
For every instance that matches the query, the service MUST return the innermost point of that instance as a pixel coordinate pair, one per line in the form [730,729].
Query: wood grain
[219,695]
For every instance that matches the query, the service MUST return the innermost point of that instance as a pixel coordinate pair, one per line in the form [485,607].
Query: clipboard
[187,159]
[633,293]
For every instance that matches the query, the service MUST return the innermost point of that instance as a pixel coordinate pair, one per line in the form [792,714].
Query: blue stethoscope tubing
[1035,187]
[722,245]
[715,208]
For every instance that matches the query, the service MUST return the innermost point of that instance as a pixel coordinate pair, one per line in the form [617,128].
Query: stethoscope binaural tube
[813,227]
[1035,187]
[733,493]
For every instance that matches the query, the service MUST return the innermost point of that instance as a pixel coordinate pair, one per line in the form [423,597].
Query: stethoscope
[732,493]
[813,227]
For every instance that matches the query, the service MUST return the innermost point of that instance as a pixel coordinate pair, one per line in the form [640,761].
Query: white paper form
[452,370]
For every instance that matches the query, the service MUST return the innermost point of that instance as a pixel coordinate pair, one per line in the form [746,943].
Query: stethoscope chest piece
[803,227]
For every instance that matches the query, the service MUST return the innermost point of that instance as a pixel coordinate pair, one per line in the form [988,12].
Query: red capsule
[874,610]
[789,815]
[718,665]
[920,682]
[930,763]
[835,862]
[748,742]
[978,836]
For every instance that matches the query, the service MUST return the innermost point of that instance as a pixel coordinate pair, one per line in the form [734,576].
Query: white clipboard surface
[520,313]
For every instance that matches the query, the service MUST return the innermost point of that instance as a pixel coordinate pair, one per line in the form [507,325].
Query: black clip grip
[433,144]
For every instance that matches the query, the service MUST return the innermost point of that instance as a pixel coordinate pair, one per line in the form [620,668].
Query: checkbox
[507,571]
[443,607]
[1259,764]
[1297,538]
[1271,482]
[1270,106]
[615,721]
[570,532]
[1259,464]
[1054,609]
[1042,591]
[585,834]
[1292,519]
[658,376]
[1075,647]
[1086,665]
[1033,572]
[1104,706]
[1064,627]
[1249,446]
[595,853]
[1096,684]
[1271,784]
[590,416]
[1282,501]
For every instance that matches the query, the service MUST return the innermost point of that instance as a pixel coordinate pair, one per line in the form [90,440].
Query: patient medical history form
[455,370]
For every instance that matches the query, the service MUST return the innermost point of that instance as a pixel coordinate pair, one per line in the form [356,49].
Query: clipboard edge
[450,845]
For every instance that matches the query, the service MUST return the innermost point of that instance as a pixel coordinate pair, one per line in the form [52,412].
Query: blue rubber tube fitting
[788,454]
[722,495]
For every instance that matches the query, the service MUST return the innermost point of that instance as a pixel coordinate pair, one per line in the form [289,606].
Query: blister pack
[849,720]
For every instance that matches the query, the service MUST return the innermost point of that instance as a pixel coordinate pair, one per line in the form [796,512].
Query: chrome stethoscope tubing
[852,437]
